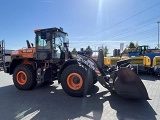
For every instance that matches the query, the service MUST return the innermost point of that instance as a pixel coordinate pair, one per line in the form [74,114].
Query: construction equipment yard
[50,102]
[80,60]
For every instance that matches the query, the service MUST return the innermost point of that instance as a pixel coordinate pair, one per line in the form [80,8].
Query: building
[116,52]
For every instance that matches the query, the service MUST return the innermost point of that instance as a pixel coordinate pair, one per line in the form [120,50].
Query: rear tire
[24,77]
[76,81]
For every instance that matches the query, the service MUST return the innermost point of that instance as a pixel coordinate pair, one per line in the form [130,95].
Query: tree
[131,45]
[74,50]
[89,51]
[105,51]
[88,48]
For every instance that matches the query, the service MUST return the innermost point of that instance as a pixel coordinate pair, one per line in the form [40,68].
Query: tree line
[132,45]
[88,48]
[104,48]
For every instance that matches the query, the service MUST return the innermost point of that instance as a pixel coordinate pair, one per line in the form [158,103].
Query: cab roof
[50,29]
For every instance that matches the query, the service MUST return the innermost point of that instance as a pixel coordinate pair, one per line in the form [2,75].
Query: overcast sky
[87,22]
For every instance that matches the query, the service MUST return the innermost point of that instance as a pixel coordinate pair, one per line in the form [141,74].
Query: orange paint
[74,81]
[37,30]
[25,53]
[21,78]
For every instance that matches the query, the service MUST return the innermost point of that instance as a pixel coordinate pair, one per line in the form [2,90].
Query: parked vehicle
[50,59]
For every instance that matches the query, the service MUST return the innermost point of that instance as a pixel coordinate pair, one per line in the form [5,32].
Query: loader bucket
[129,85]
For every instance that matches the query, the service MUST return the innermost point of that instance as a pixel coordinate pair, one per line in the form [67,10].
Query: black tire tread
[28,69]
[88,82]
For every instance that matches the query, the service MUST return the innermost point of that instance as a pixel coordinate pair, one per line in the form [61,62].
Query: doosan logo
[27,51]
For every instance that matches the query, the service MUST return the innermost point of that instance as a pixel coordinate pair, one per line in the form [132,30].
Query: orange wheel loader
[50,59]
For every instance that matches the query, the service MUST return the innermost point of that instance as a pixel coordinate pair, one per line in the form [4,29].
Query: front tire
[76,81]
[24,77]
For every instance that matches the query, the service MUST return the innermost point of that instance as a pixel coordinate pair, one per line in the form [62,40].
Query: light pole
[158,33]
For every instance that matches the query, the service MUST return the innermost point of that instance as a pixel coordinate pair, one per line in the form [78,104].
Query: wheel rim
[21,77]
[74,81]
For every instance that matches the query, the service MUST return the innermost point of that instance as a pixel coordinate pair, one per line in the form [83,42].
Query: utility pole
[158,33]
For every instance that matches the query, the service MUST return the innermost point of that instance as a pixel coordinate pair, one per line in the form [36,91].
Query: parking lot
[50,102]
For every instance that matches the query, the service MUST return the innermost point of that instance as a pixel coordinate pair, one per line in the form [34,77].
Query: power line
[142,24]
[147,31]
[130,17]
[129,29]
[144,35]
[139,33]
[126,19]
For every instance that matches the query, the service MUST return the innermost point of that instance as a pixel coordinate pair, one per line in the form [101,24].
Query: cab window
[42,43]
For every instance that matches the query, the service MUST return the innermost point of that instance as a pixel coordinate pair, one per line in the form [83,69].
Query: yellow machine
[156,61]
[141,60]
[111,61]
[156,65]
[140,63]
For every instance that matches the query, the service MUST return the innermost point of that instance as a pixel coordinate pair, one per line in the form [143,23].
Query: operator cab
[142,49]
[51,44]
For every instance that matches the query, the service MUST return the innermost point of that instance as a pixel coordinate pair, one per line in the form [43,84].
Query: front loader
[123,80]
[51,60]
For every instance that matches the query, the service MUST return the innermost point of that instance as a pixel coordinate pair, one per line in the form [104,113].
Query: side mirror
[66,45]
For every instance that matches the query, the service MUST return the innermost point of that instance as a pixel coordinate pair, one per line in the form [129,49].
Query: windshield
[54,42]
[58,43]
